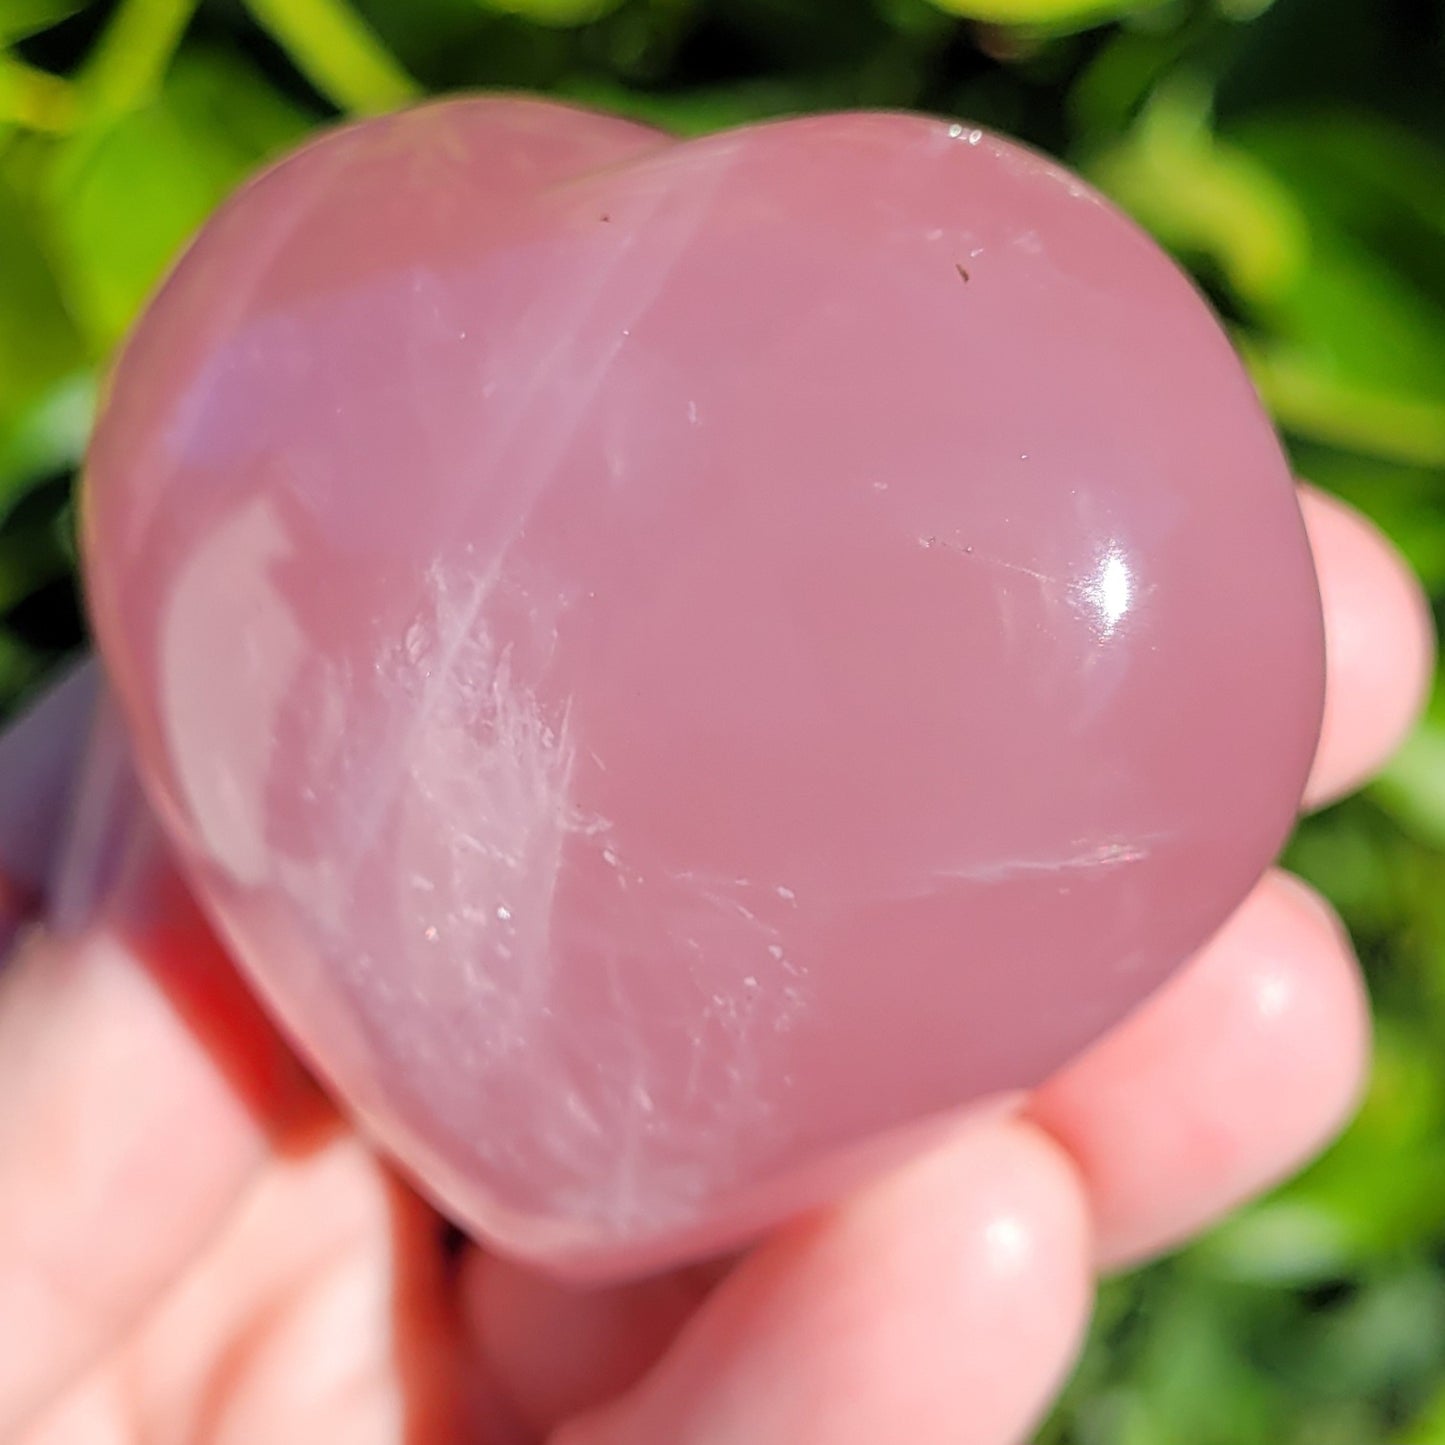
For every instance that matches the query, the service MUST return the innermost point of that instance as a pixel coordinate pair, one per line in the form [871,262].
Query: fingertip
[553,1350]
[1231,1077]
[944,1302]
[1379,641]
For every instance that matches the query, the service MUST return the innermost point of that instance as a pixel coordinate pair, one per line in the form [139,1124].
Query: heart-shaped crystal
[671,662]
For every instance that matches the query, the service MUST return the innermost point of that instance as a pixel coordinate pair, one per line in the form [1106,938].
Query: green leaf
[38,343]
[34,99]
[1412,787]
[219,93]
[128,63]
[1119,79]
[1369,175]
[555,12]
[123,207]
[1404,501]
[1051,13]
[1308,395]
[1283,1243]
[1344,298]
[22,18]
[1203,196]
[1428,1428]
[46,438]
[124,199]
[337,51]
[704,110]
[1385,1336]
[1356,354]
[1375,1195]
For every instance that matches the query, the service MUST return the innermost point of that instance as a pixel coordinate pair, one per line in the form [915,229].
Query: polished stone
[670,663]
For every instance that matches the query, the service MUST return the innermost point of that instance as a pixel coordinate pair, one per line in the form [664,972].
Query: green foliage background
[1291,153]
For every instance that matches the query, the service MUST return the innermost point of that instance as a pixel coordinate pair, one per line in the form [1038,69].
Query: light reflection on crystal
[1109,593]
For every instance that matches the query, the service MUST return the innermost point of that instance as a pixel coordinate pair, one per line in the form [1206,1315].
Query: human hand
[195,1247]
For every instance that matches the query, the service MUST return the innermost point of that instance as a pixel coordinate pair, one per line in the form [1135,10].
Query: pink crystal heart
[670,663]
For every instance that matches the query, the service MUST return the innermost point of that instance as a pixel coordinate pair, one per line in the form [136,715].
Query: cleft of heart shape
[676,666]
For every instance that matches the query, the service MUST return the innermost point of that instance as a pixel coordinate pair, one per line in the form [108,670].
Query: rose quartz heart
[671,662]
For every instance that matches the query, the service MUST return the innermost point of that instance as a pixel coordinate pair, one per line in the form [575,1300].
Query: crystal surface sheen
[670,663]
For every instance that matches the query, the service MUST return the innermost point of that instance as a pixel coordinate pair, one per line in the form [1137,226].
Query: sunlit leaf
[1369,174]
[1413,786]
[1045,12]
[127,65]
[124,200]
[1428,1428]
[1357,356]
[223,95]
[1205,197]
[19,18]
[1309,396]
[34,99]
[337,51]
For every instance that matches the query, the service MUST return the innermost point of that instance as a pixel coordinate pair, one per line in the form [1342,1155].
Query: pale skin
[195,1247]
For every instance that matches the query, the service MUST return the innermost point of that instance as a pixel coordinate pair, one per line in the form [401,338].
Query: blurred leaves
[1291,154]
[126,66]
[1065,14]
[1206,198]
[121,201]
[38,343]
[35,99]
[1374,1198]
[1359,354]
[337,52]
[556,12]
[19,18]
